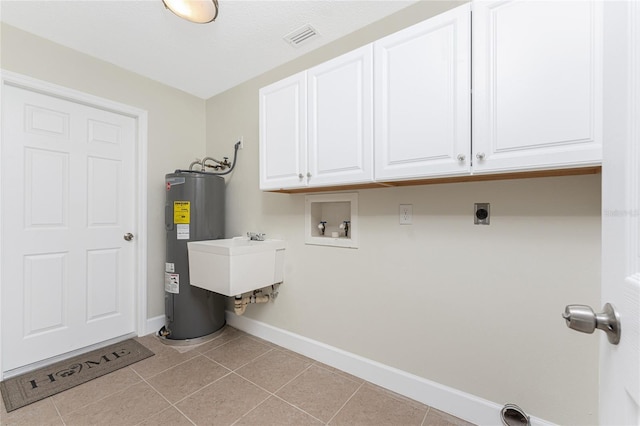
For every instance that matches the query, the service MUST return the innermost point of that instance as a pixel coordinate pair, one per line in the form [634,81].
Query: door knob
[128,236]
[582,318]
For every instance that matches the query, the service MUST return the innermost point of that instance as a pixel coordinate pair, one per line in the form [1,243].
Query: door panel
[45,285]
[104,180]
[46,188]
[67,200]
[537,84]
[340,113]
[283,133]
[422,87]
[102,283]
[620,364]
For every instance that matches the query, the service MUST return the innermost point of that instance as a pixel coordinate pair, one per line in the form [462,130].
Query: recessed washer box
[333,210]
[235,265]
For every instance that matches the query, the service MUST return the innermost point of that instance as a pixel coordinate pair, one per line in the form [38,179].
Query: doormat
[46,381]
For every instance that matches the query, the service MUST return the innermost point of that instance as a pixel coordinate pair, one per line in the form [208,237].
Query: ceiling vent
[301,35]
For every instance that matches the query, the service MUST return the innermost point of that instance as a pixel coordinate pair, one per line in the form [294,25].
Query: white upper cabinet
[423,101]
[340,119]
[537,85]
[283,133]
[316,127]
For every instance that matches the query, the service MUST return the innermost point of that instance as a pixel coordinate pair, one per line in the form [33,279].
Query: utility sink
[235,265]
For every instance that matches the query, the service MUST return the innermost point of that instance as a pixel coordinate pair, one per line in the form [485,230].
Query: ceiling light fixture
[198,11]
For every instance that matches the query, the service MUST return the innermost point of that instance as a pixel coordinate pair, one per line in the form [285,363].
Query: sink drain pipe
[512,415]
[241,303]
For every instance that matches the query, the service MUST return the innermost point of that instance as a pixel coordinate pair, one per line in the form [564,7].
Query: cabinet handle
[308,174]
[480,156]
[461,157]
[300,175]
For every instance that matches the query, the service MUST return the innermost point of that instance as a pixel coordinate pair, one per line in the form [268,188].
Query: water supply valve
[322,226]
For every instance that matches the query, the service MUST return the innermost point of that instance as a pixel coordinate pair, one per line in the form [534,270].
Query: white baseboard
[153,325]
[460,404]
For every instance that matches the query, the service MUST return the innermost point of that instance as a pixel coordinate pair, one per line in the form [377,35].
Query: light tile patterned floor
[235,379]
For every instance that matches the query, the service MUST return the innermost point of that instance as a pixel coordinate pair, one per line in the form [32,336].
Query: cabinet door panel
[340,106]
[422,86]
[537,89]
[283,134]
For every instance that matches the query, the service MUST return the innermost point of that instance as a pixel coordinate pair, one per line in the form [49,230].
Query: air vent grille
[301,35]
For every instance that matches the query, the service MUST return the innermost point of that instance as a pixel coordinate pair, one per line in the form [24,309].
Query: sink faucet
[256,236]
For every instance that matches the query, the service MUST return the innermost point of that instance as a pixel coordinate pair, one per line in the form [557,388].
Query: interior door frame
[8,78]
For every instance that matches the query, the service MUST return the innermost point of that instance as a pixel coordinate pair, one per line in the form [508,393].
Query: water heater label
[182,232]
[181,211]
[172,283]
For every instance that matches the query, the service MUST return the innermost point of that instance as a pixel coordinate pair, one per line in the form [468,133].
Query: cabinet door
[340,107]
[283,134]
[423,99]
[537,84]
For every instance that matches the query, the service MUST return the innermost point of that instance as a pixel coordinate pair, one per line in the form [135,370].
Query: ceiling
[201,59]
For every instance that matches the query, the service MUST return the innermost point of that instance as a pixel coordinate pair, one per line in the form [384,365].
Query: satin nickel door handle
[128,236]
[582,318]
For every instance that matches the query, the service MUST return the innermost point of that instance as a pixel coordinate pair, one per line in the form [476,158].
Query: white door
[423,99]
[283,133]
[537,84]
[620,364]
[67,201]
[340,114]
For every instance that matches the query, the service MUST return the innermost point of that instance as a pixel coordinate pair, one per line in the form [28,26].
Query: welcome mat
[41,383]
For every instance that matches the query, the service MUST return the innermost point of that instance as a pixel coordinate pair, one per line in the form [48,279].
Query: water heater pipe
[242,302]
[233,164]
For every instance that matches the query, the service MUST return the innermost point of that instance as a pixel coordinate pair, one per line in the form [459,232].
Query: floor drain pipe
[512,415]
[241,303]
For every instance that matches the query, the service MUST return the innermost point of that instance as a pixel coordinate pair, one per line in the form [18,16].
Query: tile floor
[235,379]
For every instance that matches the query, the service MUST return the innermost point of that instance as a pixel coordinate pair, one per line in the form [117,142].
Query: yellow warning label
[181,211]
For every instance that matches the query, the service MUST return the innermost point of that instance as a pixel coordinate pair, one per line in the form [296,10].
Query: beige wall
[176,123]
[476,308]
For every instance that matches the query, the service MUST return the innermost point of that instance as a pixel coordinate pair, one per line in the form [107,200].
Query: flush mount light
[198,11]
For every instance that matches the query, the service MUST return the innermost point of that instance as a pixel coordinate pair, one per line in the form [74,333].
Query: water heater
[194,211]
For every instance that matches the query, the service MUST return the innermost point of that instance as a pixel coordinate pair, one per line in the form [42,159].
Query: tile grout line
[424,419]
[346,402]
[97,400]
[295,377]
[341,373]
[246,363]
[161,396]
[173,405]
[203,354]
[247,413]
[57,410]
[298,408]
[273,394]
[202,388]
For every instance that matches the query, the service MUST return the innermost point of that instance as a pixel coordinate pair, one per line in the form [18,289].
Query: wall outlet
[481,212]
[406,214]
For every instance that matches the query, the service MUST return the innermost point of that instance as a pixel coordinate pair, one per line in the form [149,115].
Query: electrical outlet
[406,214]
[481,213]
[241,140]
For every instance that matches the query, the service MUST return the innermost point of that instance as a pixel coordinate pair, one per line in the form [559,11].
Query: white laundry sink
[235,265]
